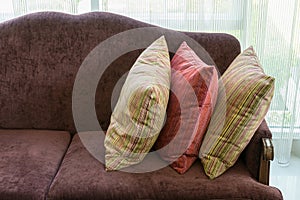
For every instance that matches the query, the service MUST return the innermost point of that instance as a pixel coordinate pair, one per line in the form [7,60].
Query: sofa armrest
[267,155]
[256,156]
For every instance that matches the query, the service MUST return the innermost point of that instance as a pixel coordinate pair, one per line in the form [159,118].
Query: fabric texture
[35,96]
[194,90]
[29,160]
[81,176]
[38,67]
[139,113]
[245,93]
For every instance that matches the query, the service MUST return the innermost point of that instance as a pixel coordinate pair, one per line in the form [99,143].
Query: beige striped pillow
[139,113]
[245,93]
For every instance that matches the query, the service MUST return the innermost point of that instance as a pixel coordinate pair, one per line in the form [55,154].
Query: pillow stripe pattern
[247,92]
[139,113]
[194,87]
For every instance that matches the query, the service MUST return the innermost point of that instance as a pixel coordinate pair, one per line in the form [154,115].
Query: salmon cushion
[194,89]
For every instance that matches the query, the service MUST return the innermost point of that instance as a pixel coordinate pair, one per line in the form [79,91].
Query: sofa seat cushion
[29,160]
[81,176]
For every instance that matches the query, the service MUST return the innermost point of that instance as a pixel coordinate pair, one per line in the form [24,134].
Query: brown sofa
[41,154]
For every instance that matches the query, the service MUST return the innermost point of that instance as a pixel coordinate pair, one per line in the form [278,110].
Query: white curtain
[14,8]
[271,26]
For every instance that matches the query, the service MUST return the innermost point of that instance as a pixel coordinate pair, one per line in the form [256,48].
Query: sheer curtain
[271,26]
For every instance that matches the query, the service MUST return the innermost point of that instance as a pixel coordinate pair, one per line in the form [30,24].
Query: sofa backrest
[41,53]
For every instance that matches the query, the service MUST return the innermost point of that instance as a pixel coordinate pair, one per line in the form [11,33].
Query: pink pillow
[194,89]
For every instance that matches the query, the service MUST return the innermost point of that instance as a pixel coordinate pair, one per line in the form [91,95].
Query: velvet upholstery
[81,176]
[29,159]
[38,65]
[40,55]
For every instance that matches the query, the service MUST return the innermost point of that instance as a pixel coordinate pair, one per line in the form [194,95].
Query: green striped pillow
[139,113]
[245,93]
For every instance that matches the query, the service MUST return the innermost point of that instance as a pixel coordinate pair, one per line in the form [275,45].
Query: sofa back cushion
[41,53]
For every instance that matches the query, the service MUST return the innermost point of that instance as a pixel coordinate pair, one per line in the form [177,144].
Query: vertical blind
[271,26]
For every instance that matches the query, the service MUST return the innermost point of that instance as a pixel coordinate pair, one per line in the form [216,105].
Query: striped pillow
[194,87]
[245,93]
[139,113]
